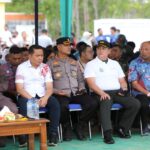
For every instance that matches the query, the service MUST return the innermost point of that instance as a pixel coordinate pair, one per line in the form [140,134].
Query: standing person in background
[7,36]
[114,35]
[100,35]
[44,39]
[25,40]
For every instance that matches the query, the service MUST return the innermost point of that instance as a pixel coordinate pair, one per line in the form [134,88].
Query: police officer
[68,83]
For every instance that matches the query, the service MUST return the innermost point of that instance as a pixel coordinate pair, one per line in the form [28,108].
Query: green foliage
[106,9]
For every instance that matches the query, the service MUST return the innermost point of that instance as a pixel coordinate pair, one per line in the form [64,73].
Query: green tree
[85,16]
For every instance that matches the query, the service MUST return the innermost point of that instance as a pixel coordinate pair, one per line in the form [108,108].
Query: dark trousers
[145,109]
[131,107]
[89,107]
[53,112]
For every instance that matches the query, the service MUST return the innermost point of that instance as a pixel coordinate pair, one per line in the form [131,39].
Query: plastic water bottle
[33,108]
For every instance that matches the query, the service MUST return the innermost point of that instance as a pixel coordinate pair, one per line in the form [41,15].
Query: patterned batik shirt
[139,71]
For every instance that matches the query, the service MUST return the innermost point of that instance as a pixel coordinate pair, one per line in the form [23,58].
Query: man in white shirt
[44,39]
[106,78]
[33,80]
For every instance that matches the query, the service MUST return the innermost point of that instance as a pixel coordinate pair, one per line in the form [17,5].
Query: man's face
[25,56]
[15,59]
[112,31]
[64,49]
[37,57]
[103,52]
[115,53]
[88,54]
[100,32]
[145,51]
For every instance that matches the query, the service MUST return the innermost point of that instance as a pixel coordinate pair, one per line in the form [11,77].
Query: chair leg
[60,133]
[14,139]
[130,132]
[90,133]
[70,121]
[141,126]
[102,131]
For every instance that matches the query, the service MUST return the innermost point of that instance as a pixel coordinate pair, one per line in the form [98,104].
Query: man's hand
[81,92]
[123,92]
[104,96]
[43,101]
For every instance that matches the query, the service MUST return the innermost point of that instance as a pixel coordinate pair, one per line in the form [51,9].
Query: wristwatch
[148,95]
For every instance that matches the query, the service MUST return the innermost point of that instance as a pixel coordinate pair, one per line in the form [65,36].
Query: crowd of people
[92,73]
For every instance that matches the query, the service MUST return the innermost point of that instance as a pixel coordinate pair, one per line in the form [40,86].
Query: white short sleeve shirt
[33,79]
[106,74]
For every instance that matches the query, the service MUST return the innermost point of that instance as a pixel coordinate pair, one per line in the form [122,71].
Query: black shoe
[122,134]
[2,142]
[53,139]
[67,133]
[108,137]
[80,132]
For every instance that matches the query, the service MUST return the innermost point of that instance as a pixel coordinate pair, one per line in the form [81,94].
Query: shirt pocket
[73,71]
[57,73]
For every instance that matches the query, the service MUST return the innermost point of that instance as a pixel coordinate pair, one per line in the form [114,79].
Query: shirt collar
[101,60]
[30,65]
[142,60]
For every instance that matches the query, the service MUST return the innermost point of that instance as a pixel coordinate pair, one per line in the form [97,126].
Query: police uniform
[107,76]
[67,77]
[5,101]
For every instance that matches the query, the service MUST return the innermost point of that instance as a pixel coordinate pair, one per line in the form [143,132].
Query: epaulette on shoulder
[72,61]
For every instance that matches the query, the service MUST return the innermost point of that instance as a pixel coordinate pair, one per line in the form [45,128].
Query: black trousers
[145,109]
[89,107]
[131,107]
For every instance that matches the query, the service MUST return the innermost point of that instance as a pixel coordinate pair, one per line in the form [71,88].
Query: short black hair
[79,44]
[14,49]
[44,31]
[82,48]
[131,44]
[33,47]
[23,49]
[113,28]
[99,29]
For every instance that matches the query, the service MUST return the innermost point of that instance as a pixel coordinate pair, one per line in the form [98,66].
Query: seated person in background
[49,53]
[116,54]
[106,78]
[86,54]
[69,88]
[139,76]
[9,71]
[33,80]
[25,54]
